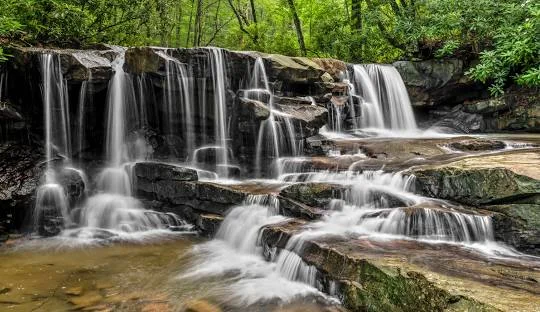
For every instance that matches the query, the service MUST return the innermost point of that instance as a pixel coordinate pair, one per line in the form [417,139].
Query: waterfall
[80,131]
[56,110]
[236,250]
[385,102]
[113,208]
[276,135]
[178,101]
[361,85]
[51,207]
[393,97]
[218,70]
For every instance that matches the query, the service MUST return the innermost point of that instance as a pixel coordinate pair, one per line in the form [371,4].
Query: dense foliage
[502,34]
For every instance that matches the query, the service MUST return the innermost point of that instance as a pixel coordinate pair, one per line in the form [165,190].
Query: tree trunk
[254,19]
[189,24]
[356,10]
[197,29]
[298,27]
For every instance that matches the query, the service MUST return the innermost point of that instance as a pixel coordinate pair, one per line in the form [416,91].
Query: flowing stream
[233,269]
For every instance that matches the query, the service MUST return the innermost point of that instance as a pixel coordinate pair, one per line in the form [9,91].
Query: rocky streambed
[152,179]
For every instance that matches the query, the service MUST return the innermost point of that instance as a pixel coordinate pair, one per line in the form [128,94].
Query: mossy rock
[477,186]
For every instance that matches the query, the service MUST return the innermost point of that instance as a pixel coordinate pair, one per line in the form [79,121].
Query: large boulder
[307,119]
[458,121]
[178,190]
[473,145]
[476,186]
[485,106]
[518,225]
[77,65]
[518,109]
[314,194]
[154,171]
[438,82]
[20,175]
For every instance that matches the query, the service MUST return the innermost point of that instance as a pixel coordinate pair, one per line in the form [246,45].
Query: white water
[178,101]
[237,254]
[385,108]
[51,200]
[392,97]
[56,110]
[113,208]
[218,70]
[82,105]
[276,136]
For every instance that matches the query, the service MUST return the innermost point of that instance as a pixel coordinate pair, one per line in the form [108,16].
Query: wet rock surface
[20,174]
[506,184]
[478,145]
[153,171]
[391,275]
[518,225]
[314,194]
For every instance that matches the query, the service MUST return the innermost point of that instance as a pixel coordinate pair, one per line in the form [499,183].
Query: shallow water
[118,277]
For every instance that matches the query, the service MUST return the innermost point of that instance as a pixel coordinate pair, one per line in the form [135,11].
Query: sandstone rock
[292,101]
[518,225]
[476,186]
[436,82]
[485,106]
[314,194]
[382,276]
[253,109]
[294,69]
[478,145]
[181,195]
[77,65]
[140,60]
[154,171]
[309,117]
[291,208]
[335,68]
[459,121]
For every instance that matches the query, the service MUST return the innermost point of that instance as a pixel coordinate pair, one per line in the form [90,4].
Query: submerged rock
[200,306]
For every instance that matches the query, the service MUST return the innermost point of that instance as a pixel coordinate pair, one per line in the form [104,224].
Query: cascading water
[384,100]
[178,101]
[393,97]
[371,205]
[218,71]
[371,115]
[51,207]
[112,208]
[80,130]
[273,140]
[237,251]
